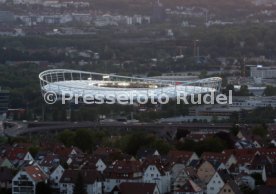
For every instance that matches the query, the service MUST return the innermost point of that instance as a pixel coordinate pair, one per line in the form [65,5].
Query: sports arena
[83,83]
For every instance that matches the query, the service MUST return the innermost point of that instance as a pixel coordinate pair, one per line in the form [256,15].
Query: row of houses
[32,19]
[50,3]
[109,170]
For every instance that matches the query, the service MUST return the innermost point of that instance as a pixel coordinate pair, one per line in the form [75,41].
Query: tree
[79,185]
[203,74]
[228,88]
[247,190]
[270,91]
[34,150]
[244,91]
[260,131]
[67,137]
[235,130]
[43,188]
[162,146]
[258,178]
[83,139]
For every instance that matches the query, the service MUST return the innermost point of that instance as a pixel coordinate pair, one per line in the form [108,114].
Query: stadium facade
[83,83]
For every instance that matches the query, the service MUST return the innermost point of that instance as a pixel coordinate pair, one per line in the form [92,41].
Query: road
[42,127]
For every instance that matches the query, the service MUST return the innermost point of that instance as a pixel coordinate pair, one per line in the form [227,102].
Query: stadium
[81,83]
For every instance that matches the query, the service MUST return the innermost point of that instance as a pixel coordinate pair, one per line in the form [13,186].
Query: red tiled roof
[89,176]
[104,151]
[49,160]
[247,155]
[162,166]
[177,155]
[35,173]
[64,151]
[123,169]
[16,153]
[221,157]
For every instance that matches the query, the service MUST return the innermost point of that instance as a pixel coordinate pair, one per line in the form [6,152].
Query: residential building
[55,176]
[230,187]
[25,180]
[217,182]
[157,172]
[122,171]
[184,157]
[6,176]
[262,72]
[143,153]
[227,159]
[189,187]
[245,180]
[92,179]
[136,188]
[205,171]
[6,17]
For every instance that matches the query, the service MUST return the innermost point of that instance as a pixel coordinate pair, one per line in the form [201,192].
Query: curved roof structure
[82,83]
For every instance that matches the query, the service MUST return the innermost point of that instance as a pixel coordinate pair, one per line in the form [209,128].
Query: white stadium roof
[89,83]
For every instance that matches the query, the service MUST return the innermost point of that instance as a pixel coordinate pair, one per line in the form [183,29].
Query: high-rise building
[4,102]
[6,17]
[261,72]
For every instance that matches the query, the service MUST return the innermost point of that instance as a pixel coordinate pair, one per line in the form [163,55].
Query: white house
[246,180]
[100,165]
[25,181]
[121,172]
[92,180]
[55,176]
[189,187]
[156,173]
[180,180]
[184,157]
[176,169]
[217,182]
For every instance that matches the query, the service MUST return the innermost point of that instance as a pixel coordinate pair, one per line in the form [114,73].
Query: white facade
[102,87]
[153,175]
[25,181]
[215,184]
[263,72]
[100,165]
[247,181]
[176,170]
[253,102]
[66,188]
[28,157]
[95,188]
[22,178]
[231,160]
[193,157]
[110,183]
[55,176]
